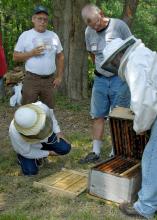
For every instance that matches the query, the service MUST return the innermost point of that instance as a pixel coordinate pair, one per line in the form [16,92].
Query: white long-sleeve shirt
[139,68]
[32,151]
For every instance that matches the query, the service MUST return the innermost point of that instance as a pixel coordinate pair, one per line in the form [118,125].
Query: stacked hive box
[118,179]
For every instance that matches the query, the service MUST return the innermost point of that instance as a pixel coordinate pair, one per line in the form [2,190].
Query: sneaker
[90,158]
[42,161]
[129,210]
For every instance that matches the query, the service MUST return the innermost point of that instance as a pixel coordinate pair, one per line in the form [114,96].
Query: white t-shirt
[43,64]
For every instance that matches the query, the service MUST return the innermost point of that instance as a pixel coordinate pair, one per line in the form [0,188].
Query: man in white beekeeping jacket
[137,65]
[35,134]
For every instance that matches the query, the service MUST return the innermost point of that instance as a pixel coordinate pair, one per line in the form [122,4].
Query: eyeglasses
[40,19]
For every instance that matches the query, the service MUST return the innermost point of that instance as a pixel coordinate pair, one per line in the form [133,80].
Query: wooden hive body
[119,178]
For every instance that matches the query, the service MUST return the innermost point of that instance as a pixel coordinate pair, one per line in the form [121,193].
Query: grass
[24,202]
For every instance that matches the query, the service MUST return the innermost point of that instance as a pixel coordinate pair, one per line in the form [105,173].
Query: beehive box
[69,183]
[119,178]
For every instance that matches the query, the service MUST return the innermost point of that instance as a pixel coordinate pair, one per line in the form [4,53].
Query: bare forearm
[60,65]
[19,57]
[23,56]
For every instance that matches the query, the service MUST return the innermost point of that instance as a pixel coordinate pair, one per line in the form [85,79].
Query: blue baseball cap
[39,9]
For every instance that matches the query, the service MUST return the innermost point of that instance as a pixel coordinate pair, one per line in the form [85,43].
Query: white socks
[111,154]
[97,144]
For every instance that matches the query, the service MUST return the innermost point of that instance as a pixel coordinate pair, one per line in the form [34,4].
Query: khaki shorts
[36,88]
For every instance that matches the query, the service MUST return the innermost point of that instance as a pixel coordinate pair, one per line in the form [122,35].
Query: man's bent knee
[65,149]
[30,172]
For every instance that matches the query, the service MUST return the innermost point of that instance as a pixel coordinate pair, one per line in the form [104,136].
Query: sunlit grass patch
[63,102]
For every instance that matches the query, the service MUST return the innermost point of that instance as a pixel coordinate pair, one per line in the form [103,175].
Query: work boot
[92,157]
[39,162]
[129,210]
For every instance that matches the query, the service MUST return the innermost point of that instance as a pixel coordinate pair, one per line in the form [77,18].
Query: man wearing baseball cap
[35,134]
[42,53]
[137,65]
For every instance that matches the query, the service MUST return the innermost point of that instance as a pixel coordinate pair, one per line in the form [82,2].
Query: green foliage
[112,8]
[145,23]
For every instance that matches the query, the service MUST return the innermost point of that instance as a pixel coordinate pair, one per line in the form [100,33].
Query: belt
[97,73]
[40,76]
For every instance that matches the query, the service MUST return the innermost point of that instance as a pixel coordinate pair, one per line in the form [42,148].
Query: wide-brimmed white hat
[29,119]
[114,47]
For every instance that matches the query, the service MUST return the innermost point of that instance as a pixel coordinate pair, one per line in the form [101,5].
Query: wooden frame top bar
[123,113]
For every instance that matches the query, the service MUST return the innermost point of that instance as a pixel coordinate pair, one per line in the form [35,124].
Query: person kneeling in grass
[35,134]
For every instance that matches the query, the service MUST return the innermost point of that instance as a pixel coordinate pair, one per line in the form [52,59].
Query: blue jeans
[30,166]
[147,201]
[107,93]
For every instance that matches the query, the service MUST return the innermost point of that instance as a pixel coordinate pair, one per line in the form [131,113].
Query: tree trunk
[129,11]
[70,27]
